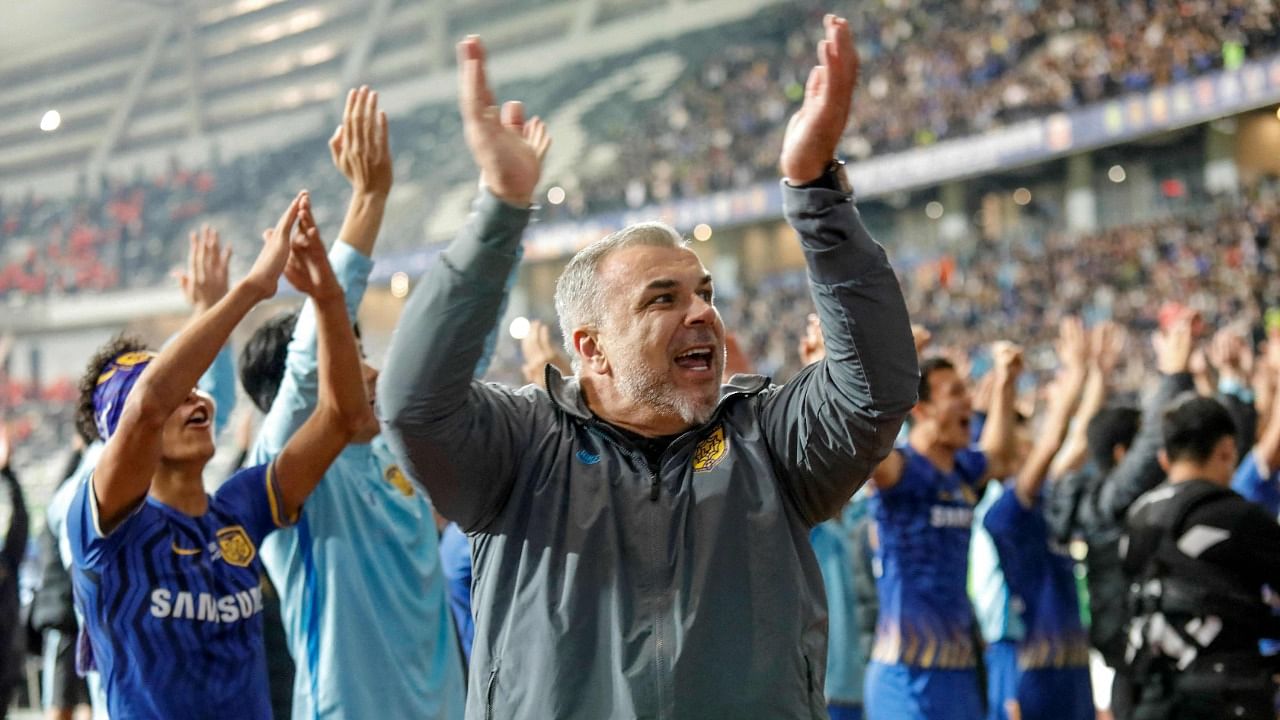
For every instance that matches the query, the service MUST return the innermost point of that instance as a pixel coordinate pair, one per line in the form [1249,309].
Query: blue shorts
[1056,694]
[837,711]
[1002,677]
[899,692]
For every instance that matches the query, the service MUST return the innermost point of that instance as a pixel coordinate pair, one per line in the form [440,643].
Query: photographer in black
[1198,556]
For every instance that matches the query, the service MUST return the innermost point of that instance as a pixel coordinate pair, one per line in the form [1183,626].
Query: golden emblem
[236,547]
[396,477]
[710,451]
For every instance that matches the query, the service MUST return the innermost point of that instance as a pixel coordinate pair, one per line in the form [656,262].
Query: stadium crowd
[932,70]
[763,585]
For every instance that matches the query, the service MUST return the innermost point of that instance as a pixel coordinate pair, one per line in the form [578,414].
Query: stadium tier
[1046,178]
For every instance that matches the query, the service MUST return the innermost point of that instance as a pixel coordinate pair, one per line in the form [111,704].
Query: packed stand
[931,71]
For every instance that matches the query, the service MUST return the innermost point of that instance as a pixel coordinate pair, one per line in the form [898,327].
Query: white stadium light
[400,284]
[555,195]
[1022,196]
[933,210]
[702,232]
[519,328]
[51,121]
[1116,174]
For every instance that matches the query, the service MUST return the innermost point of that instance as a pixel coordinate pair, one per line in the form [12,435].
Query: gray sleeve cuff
[493,234]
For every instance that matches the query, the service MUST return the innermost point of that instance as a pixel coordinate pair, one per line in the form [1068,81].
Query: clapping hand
[308,268]
[264,276]
[204,282]
[813,133]
[508,150]
[360,147]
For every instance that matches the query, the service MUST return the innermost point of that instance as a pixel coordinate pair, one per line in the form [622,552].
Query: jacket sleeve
[299,388]
[15,540]
[457,437]
[1140,470]
[829,427]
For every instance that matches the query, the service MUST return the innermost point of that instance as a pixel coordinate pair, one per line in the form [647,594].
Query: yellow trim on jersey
[183,551]
[276,501]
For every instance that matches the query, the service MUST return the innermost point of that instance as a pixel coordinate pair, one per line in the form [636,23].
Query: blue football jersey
[924,524]
[1053,658]
[172,603]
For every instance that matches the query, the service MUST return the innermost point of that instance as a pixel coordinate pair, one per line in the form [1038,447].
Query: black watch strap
[833,177]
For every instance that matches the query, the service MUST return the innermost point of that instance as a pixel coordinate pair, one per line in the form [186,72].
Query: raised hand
[1174,346]
[813,346]
[264,276]
[539,351]
[509,158]
[1107,346]
[1230,354]
[360,147]
[814,131]
[1007,358]
[1072,346]
[204,282]
[921,336]
[308,267]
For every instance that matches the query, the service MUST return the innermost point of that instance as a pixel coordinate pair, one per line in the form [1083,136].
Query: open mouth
[199,418]
[698,359]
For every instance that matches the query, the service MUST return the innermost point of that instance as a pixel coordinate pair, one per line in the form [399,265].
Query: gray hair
[579,297]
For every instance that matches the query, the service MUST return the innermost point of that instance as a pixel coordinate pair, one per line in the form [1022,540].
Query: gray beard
[643,386]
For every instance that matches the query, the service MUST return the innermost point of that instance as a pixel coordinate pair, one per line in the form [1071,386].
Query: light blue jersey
[833,544]
[361,588]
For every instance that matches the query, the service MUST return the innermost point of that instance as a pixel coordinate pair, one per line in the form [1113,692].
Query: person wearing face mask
[640,531]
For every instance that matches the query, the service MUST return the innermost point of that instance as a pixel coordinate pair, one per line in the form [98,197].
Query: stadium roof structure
[136,81]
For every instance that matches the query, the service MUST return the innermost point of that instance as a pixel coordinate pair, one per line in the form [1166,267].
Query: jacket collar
[566,393]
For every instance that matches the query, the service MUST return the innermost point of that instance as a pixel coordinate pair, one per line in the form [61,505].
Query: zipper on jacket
[493,687]
[654,487]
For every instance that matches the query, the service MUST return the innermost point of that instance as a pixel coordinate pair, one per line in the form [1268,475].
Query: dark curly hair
[115,347]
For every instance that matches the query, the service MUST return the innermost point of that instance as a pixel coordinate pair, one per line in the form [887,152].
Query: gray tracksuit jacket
[606,588]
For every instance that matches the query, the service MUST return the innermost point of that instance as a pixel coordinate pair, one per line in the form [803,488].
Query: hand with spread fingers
[813,346]
[360,147]
[205,282]
[813,133]
[264,276]
[1107,347]
[1175,345]
[508,150]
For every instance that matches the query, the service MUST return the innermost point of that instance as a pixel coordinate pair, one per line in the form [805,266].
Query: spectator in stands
[357,656]
[147,487]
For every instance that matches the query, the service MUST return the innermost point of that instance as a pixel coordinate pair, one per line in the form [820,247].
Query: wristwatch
[833,177]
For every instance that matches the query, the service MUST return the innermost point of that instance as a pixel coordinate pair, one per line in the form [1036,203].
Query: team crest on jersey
[710,451]
[395,476]
[235,545]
